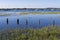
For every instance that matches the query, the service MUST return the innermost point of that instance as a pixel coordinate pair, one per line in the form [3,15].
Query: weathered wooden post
[7,21]
[17,21]
[26,22]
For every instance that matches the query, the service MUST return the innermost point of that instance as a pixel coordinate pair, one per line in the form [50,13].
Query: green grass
[25,13]
[46,33]
[5,14]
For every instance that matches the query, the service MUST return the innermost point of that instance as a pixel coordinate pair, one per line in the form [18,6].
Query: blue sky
[29,3]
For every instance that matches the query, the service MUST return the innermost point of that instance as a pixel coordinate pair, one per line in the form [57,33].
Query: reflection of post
[7,30]
[7,20]
[26,22]
[53,23]
[39,23]
[17,21]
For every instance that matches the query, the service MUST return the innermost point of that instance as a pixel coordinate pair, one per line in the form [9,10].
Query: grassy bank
[51,33]
[25,13]
[5,14]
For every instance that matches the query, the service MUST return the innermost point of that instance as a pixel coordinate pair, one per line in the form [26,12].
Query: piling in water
[17,21]
[26,22]
[7,21]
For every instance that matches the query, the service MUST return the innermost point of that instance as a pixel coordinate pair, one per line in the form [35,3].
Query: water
[29,21]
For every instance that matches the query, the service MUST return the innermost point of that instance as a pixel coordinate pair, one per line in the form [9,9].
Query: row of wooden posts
[27,22]
[17,21]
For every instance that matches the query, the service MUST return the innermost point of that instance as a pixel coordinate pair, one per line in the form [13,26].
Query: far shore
[25,13]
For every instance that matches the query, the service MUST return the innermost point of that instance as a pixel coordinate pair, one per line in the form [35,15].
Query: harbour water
[29,21]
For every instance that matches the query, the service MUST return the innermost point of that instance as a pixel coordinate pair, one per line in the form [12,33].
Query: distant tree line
[33,9]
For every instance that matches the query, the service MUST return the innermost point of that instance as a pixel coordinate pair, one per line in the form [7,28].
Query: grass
[47,33]
[5,14]
[25,13]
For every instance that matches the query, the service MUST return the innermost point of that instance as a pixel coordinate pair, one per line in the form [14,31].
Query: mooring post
[26,22]
[17,21]
[7,21]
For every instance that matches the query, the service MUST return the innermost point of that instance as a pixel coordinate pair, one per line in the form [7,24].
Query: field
[47,33]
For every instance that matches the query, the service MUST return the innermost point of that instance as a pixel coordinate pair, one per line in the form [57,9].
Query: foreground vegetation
[47,33]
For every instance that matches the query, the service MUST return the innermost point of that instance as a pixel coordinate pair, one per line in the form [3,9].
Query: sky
[29,3]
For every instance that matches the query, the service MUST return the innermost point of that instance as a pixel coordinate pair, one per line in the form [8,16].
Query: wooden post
[7,21]
[17,21]
[26,22]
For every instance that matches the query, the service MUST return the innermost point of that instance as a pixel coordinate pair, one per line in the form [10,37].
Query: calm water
[29,21]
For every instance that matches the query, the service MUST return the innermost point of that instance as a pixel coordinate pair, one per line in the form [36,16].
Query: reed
[45,33]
